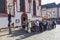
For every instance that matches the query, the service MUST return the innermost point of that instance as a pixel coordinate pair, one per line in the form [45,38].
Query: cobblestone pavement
[22,35]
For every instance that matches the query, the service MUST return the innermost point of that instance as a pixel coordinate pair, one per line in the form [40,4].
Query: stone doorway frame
[24,15]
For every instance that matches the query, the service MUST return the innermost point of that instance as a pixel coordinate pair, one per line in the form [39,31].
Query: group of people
[38,26]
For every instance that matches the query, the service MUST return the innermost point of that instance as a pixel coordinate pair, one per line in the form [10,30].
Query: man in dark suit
[40,26]
[9,18]
[9,21]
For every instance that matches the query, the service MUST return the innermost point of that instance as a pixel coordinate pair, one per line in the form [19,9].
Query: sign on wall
[17,21]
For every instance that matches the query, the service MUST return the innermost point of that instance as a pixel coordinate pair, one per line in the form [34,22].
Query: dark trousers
[9,24]
[33,28]
[23,26]
[45,27]
[40,28]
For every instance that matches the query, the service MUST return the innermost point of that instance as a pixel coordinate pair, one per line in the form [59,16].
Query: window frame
[23,10]
[53,11]
[4,14]
[2,11]
[34,8]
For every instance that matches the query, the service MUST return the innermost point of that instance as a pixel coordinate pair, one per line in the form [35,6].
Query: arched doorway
[24,17]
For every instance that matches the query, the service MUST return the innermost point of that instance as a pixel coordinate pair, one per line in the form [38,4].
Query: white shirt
[37,23]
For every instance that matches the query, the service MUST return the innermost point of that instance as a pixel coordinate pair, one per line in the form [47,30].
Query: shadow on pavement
[4,35]
[22,34]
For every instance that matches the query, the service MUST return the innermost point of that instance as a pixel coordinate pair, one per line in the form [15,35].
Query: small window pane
[34,8]
[53,11]
[2,6]
[22,5]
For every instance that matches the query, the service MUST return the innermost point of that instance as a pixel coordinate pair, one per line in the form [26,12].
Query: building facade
[21,10]
[58,9]
[27,10]
[49,11]
[4,11]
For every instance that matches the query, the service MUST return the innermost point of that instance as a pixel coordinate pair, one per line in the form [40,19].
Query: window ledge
[36,16]
[5,15]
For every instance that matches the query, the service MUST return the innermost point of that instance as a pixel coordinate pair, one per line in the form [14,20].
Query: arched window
[34,8]
[2,6]
[22,5]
